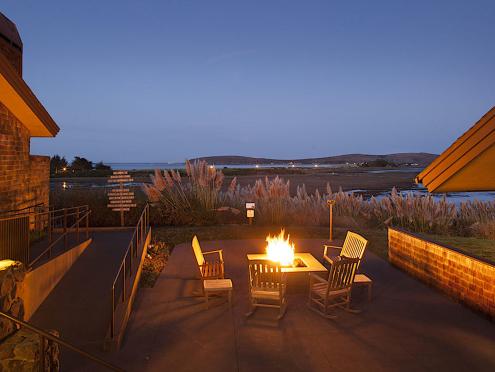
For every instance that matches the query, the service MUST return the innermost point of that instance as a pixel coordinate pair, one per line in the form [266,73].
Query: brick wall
[468,279]
[24,179]
[12,53]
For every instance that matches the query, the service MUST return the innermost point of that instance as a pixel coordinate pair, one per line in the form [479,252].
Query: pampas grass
[193,200]
[196,199]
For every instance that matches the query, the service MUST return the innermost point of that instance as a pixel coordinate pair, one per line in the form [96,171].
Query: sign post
[120,199]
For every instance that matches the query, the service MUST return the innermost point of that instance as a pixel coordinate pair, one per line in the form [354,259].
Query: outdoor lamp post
[330,204]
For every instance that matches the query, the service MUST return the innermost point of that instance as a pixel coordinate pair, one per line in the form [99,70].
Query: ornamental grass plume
[272,200]
[193,200]
[417,213]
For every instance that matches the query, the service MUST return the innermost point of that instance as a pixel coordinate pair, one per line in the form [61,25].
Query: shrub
[96,199]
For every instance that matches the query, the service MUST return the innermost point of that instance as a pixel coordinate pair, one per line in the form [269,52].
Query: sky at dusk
[156,81]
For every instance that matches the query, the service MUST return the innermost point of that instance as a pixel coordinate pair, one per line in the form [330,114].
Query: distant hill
[420,158]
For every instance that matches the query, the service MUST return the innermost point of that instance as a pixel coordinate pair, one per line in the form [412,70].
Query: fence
[125,279]
[29,237]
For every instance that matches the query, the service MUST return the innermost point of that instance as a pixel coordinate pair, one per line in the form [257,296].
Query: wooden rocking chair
[208,269]
[354,247]
[336,290]
[267,286]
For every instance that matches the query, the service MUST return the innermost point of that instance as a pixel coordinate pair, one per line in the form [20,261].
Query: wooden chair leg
[206,299]
[252,308]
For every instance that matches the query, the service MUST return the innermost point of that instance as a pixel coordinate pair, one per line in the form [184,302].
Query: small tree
[101,166]
[57,164]
[81,164]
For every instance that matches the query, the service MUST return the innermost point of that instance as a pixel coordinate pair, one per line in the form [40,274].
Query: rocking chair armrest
[219,251]
[330,260]
[314,276]
[325,250]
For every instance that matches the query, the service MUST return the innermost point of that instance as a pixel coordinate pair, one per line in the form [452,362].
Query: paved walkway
[407,326]
[79,306]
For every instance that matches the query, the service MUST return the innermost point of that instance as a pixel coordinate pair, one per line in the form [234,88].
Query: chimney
[10,43]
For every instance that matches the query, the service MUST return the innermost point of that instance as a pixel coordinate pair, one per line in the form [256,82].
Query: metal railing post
[65,229]
[77,224]
[49,226]
[123,284]
[130,259]
[87,223]
[112,321]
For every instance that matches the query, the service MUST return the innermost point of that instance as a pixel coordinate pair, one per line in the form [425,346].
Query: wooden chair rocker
[267,286]
[334,291]
[354,247]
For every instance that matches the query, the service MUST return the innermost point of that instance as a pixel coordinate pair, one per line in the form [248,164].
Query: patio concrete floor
[408,326]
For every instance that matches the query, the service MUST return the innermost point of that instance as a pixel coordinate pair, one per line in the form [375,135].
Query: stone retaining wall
[468,279]
[20,348]
[12,275]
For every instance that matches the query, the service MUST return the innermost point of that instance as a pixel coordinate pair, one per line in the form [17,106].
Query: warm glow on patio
[280,249]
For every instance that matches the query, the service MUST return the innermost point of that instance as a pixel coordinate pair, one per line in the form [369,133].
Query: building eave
[458,157]
[22,102]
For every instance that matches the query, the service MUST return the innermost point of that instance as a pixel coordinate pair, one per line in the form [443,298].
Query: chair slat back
[342,272]
[265,275]
[197,251]
[354,246]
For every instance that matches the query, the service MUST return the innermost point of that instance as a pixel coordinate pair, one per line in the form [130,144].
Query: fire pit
[282,250]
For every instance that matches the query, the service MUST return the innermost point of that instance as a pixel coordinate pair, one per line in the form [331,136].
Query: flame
[280,249]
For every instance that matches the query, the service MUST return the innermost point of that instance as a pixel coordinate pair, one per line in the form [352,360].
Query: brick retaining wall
[468,279]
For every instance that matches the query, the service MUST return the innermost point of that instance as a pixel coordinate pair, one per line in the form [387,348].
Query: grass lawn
[483,248]
[165,238]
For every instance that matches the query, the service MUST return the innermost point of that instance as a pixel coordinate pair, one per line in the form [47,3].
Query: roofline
[466,148]
[22,102]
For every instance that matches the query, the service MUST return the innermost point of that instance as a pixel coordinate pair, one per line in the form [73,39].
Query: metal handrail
[46,335]
[22,211]
[48,211]
[64,235]
[23,224]
[137,240]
